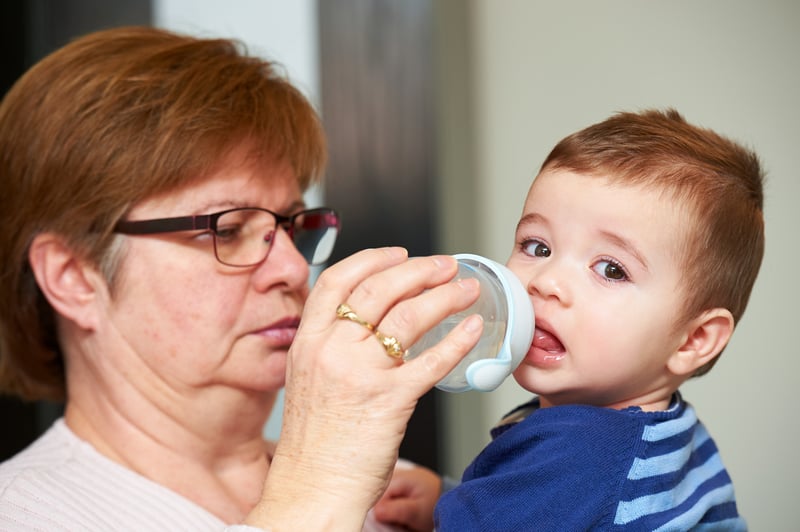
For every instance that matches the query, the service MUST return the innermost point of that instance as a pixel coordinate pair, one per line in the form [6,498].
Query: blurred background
[439,113]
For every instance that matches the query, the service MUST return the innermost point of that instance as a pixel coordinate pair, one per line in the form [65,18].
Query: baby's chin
[531,378]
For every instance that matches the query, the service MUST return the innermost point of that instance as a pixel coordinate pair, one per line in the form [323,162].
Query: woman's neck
[211,451]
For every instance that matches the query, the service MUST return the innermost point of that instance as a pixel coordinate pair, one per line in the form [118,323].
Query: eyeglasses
[243,236]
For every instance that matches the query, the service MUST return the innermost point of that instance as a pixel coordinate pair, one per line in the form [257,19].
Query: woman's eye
[610,270]
[228,232]
[205,235]
[534,248]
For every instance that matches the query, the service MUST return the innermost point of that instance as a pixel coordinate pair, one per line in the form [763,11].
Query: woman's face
[185,321]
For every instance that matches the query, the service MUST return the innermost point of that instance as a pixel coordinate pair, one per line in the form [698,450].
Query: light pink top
[60,482]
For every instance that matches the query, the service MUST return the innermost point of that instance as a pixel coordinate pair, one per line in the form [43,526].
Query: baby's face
[601,264]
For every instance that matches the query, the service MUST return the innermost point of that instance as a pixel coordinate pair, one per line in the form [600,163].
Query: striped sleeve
[678,482]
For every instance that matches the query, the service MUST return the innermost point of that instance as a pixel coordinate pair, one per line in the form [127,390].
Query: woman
[155,278]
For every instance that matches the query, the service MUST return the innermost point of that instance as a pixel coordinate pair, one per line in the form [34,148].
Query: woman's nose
[284,264]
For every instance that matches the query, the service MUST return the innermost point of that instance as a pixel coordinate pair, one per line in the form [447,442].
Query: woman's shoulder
[61,481]
[46,451]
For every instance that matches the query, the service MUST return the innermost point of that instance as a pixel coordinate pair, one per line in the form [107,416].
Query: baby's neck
[648,404]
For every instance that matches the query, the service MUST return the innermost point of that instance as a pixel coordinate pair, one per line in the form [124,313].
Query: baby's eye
[535,248]
[610,270]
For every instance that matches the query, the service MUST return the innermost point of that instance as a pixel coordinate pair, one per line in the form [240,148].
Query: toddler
[639,243]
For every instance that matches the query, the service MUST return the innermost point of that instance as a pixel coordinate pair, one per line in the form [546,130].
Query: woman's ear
[64,279]
[707,336]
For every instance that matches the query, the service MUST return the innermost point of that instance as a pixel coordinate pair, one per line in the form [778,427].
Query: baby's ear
[67,282]
[707,336]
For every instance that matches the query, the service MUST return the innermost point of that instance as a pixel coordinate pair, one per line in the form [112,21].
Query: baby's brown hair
[718,181]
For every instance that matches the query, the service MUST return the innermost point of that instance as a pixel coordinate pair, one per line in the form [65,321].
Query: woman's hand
[347,402]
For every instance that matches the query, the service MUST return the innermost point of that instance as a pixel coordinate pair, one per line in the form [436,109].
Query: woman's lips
[281,333]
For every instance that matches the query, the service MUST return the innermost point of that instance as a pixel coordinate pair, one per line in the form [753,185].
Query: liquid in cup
[508,326]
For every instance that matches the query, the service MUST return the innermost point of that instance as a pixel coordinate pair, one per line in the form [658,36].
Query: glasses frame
[208,222]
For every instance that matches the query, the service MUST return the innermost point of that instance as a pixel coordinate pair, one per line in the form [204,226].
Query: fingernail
[468,284]
[442,262]
[473,323]
[396,251]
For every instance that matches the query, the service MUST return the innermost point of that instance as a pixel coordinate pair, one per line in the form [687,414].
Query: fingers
[335,283]
[375,295]
[402,512]
[432,365]
[374,280]
[393,299]
[391,296]
[403,299]
[409,319]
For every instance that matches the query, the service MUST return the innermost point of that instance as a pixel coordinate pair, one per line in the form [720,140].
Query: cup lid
[487,373]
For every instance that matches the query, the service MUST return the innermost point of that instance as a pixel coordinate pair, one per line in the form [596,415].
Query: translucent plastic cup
[508,325]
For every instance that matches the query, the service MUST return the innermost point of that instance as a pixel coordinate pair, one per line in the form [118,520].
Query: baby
[639,243]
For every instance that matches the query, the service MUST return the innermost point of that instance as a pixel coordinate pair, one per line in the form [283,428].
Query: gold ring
[391,344]
[344,312]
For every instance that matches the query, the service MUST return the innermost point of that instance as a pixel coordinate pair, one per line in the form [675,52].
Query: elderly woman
[156,252]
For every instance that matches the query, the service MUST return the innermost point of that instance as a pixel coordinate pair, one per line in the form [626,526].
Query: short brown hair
[719,181]
[108,120]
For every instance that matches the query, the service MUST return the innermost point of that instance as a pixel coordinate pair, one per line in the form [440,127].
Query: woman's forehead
[239,184]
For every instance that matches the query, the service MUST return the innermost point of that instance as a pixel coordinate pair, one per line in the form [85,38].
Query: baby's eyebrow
[531,218]
[627,246]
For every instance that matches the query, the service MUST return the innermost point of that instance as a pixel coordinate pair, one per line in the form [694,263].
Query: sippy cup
[508,326]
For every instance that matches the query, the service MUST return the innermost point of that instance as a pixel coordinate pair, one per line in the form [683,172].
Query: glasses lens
[243,236]
[315,233]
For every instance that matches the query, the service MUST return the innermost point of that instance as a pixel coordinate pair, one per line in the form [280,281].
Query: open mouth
[547,341]
[546,346]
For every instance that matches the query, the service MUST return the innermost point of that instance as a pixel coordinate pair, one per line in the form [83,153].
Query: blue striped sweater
[579,467]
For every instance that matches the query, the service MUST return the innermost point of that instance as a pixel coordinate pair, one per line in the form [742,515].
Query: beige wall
[517,75]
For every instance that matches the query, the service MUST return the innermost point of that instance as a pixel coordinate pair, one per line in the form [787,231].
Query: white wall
[540,70]
[282,31]
[276,29]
